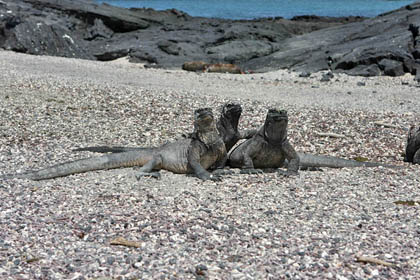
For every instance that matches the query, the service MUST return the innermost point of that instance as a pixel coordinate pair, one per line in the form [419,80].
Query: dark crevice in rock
[412,7]
[112,55]
[414,31]
[415,38]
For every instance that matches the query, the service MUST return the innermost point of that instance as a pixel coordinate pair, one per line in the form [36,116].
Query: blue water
[249,9]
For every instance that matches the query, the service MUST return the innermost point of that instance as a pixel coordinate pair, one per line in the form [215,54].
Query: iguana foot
[221,172]
[251,171]
[156,175]
[209,176]
[287,173]
[215,178]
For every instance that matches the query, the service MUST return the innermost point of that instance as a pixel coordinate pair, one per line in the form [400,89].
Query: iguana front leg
[194,154]
[293,160]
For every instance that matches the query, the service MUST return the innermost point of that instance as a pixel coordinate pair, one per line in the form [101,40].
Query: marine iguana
[227,125]
[412,149]
[269,148]
[205,149]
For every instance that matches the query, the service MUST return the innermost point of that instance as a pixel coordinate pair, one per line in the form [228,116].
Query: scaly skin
[269,148]
[308,160]
[227,125]
[203,150]
[412,149]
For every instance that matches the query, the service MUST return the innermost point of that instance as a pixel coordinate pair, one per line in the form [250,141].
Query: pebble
[262,225]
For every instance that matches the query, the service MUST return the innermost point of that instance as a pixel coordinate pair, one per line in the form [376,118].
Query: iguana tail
[308,160]
[110,161]
[108,149]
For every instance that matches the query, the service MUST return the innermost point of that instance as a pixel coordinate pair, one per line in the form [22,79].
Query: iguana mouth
[204,120]
[277,115]
[275,128]
[203,114]
[233,108]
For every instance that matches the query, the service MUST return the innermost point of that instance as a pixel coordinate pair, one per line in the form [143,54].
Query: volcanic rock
[385,45]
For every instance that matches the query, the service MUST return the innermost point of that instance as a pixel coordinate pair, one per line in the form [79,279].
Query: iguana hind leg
[293,159]
[147,170]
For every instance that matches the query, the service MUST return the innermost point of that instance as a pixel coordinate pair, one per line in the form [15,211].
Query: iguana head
[205,127]
[231,112]
[204,120]
[275,126]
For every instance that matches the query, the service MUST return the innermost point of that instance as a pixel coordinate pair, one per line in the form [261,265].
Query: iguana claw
[251,171]
[221,172]
[156,175]
[211,177]
[287,173]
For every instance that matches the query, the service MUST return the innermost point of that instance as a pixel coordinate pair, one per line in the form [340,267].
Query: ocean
[250,9]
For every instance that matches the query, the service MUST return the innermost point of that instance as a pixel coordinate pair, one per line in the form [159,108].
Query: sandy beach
[313,226]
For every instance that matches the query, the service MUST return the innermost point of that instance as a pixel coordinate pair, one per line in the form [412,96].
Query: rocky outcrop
[386,45]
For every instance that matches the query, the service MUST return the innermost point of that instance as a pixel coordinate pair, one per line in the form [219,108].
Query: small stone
[69,268]
[137,265]
[327,77]
[221,265]
[110,260]
[200,268]
[305,74]
[374,272]
[201,271]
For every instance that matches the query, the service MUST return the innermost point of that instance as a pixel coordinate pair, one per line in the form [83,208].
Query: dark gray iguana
[227,125]
[203,150]
[269,148]
[412,149]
